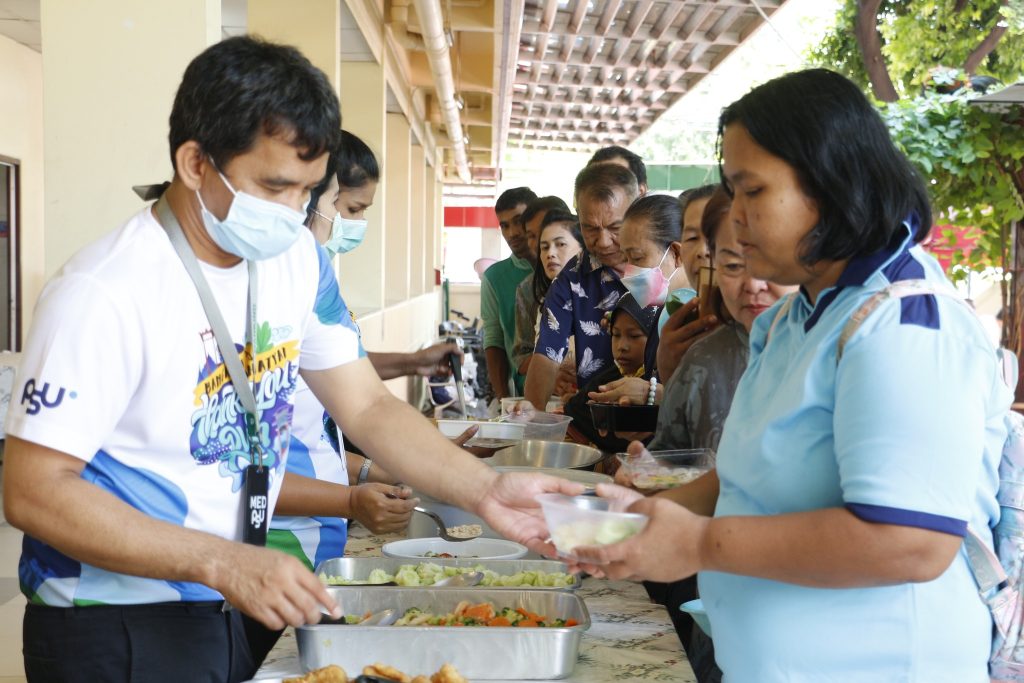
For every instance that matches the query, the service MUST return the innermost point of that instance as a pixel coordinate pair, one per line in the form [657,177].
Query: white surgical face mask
[346,233]
[254,229]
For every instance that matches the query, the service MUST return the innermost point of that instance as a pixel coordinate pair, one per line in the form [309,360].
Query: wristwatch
[364,471]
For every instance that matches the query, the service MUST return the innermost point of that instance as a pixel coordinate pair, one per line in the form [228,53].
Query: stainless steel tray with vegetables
[524,650]
[498,574]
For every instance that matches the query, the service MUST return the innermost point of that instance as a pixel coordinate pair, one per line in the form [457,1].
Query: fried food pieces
[328,674]
[335,674]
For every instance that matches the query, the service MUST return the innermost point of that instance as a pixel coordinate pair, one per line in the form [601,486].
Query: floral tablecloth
[630,638]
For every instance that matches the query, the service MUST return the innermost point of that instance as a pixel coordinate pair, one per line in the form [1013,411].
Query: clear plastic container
[657,470]
[487,430]
[575,521]
[546,427]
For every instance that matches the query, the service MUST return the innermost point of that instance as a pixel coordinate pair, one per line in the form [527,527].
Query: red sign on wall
[470,217]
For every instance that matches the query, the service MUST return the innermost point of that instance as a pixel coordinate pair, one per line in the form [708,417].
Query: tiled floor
[12,604]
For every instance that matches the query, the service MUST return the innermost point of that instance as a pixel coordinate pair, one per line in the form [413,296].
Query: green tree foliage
[919,36]
[969,156]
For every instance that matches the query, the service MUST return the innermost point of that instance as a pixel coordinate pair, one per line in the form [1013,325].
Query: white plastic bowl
[575,521]
[488,430]
[477,548]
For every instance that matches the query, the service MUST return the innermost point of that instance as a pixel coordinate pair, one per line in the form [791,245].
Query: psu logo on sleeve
[43,398]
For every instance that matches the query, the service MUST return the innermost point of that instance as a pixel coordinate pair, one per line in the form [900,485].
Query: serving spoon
[442,530]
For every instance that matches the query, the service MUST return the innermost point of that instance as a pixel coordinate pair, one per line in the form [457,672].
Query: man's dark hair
[634,160]
[600,182]
[823,126]
[696,193]
[549,203]
[663,215]
[510,199]
[241,87]
[541,281]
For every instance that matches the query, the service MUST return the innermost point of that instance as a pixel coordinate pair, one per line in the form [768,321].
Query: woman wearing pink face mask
[651,240]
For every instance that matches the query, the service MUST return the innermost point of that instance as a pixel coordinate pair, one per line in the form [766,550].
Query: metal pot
[550,454]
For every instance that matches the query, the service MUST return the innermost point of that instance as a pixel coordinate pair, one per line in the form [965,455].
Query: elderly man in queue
[157,385]
[498,293]
[588,286]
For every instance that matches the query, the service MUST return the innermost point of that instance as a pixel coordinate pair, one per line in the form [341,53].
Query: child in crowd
[630,326]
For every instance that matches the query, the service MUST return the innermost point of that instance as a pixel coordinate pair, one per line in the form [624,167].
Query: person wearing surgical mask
[654,274]
[337,219]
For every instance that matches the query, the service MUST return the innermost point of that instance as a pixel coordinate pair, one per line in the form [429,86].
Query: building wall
[21,137]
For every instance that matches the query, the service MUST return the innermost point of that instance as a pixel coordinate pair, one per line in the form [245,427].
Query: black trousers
[261,640]
[172,642]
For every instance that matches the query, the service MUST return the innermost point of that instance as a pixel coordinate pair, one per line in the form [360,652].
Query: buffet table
[630,638]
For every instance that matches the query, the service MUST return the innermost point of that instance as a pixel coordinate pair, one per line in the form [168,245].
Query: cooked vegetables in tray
[480,614]
[428,573]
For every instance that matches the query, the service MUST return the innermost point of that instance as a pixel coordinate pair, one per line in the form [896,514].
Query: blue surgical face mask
[254,229]
[346,233]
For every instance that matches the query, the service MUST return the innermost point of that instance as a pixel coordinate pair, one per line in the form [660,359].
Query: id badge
[256,518]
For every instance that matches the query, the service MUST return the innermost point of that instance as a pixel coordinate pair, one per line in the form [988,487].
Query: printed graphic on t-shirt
[218,422]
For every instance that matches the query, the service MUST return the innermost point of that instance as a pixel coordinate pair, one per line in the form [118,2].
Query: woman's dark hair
[715,211]
[242,86]
[356,163]
[541,281]
[823,126]
[353,162]
[663,215]
[686,197]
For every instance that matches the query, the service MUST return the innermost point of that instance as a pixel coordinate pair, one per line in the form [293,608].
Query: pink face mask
[649,286]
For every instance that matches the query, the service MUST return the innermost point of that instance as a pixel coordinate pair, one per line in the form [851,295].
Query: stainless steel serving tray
[359,568]
[478,652]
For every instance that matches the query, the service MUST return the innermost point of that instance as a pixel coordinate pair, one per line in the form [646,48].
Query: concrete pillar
[430,228]
[110,71]
[313,26]
[418,222]
[397,158]
[363,108]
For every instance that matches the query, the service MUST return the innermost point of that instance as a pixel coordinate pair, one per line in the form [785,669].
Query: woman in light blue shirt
[829,540]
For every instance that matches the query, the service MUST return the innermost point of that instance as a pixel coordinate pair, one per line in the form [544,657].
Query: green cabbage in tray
[428,573]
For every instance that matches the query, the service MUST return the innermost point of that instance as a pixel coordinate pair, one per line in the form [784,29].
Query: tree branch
[870,43]
[986,46]
[960,5]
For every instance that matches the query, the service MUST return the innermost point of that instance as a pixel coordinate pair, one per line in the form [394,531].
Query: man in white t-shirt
[127,453]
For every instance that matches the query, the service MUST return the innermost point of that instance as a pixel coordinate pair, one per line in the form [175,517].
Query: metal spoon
[442,530]
[467,580]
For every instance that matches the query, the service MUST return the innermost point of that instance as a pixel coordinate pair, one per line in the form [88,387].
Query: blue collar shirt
[906,429]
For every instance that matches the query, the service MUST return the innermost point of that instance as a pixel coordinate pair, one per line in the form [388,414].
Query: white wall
[112,68]
[21,137]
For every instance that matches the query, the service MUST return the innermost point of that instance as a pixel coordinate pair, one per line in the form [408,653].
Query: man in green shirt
[498,293]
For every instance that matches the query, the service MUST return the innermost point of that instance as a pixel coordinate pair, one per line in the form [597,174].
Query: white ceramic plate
[477,548]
